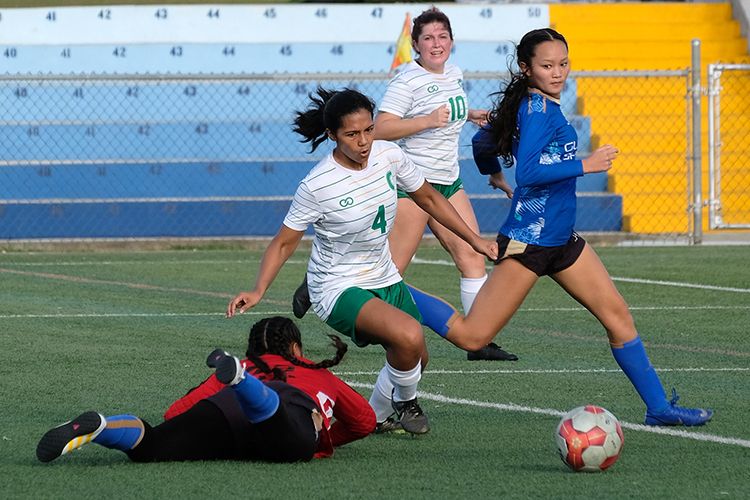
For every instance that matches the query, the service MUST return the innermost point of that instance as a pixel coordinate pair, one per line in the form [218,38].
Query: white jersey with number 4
[417,92]
[352,212]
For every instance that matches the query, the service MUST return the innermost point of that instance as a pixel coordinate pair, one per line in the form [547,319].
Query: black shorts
[543,261]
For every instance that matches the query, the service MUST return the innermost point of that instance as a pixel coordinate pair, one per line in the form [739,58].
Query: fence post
[697,164]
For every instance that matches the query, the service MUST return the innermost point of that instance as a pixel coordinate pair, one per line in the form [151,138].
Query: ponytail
[325,112]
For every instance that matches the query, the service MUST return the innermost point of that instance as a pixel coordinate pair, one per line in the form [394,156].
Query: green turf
[128,332]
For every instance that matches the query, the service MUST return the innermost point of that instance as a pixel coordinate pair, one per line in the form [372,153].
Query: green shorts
[343,318]
[446,190]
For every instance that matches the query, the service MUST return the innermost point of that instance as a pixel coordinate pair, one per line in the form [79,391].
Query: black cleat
[389,425]
[411,417]
[491,352]
[69,436]
[229,370]
[301,299]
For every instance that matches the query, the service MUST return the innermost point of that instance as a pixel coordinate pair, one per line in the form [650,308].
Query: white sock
[380,400]
[469,290]
[404,383]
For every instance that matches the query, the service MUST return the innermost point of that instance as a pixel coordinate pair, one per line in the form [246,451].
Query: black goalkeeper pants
[205,432]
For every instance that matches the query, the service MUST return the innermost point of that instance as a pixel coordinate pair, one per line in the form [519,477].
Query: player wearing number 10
[424,109]
[350,199]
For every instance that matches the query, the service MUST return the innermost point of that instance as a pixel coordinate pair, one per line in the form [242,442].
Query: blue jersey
[543,209]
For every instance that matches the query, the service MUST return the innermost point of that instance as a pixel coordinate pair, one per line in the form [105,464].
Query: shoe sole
[228,370]
[415,427]
[393,429]
[301,301]
[495,355]
[69,436]
[417,431]
[481,358]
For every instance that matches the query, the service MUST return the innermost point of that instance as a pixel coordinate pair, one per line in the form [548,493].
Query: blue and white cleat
[675,415]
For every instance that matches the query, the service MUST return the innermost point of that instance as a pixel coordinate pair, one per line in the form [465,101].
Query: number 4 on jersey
[380,222]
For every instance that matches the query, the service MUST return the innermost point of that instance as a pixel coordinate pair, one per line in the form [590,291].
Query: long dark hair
[275,335]
[326,111]
[503,119]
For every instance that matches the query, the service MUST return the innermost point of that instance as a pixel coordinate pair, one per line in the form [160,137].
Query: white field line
[135,315]
[282,313]
[683,285]
[639,308]
[84,263]
[626,280]
[697,436]
[545,372]
[416,260]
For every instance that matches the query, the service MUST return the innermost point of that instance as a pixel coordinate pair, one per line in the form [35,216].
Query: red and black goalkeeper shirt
[347,415]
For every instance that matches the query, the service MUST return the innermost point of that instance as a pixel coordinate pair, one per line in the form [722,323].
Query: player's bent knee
[469,339]
[470,264]
[467,345]
[474,345]
[411,339]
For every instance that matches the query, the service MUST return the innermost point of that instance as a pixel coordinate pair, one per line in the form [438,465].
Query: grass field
[128,332]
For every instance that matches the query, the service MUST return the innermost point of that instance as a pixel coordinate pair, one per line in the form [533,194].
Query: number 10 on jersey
[458,107]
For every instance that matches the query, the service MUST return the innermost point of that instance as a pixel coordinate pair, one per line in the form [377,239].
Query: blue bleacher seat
[173,155]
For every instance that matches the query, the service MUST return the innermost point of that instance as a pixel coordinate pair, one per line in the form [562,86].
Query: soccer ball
[589,438]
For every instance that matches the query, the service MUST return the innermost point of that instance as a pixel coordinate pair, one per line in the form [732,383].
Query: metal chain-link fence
[647,115]
[215,157]
[729,146]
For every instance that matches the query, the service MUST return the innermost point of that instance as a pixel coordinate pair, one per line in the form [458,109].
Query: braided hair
[503,119]
[275,335]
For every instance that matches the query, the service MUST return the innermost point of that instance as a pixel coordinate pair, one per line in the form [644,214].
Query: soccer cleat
[70,435]
[301,299]
[491,352]
[390,424]
[675,415]
[411,417]
[229,370]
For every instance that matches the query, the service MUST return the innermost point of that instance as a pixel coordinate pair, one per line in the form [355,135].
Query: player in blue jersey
[538,239]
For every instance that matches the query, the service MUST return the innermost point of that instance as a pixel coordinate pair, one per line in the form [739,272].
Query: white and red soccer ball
[589,439]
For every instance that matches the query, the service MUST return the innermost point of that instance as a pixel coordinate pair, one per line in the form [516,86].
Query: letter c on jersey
[388,178]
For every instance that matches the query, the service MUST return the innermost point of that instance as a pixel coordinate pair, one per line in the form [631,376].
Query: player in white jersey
[424,109]
[350,199]
[435,104]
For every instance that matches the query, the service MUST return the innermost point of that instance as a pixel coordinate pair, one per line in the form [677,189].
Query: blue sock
[258,401]
[123,432]
[436,313]
[634,361]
